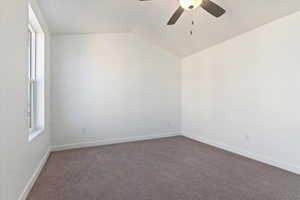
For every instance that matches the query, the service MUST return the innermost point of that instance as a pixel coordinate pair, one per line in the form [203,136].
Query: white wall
[243,94]
[19,158]
[112,86]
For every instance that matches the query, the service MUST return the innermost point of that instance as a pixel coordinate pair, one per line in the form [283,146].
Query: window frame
[31,76]
[35,77]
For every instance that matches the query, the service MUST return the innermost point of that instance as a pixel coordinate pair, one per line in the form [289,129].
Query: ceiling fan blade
[175,16]
[212,8]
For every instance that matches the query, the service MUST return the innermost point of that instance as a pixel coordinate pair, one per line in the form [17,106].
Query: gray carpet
[174,168]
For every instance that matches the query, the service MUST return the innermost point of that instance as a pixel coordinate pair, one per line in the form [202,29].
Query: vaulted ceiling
[148,20]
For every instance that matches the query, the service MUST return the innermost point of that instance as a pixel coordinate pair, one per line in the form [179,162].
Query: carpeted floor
[174,168]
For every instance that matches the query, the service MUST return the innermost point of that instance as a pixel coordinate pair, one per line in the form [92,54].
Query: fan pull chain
[192,27]
[192,24]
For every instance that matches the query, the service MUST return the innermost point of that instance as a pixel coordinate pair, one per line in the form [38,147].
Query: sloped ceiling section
[148,20]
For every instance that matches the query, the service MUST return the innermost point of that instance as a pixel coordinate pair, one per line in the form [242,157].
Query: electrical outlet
[83,131]
[247,137]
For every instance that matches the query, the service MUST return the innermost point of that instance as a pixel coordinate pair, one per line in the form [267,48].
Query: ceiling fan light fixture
[190,4]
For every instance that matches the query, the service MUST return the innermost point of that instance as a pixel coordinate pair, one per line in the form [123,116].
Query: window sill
[34,134]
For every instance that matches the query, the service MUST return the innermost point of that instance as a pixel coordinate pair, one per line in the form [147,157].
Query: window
[31,78]
[36,82]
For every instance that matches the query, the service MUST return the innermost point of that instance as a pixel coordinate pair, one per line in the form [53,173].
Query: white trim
[34,20]
[34,176]
[43,161]
[37,79]
[34,134]
[260,158]
[263,159]
[112,141]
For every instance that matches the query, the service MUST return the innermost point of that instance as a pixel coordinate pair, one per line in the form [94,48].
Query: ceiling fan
[189,5]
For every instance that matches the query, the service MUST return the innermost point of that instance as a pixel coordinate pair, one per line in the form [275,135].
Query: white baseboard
[34,176]
[42,163]
[112,141]
[259,158]
[263,159]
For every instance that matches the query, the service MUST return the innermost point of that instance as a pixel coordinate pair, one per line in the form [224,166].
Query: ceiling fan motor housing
[190,4]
